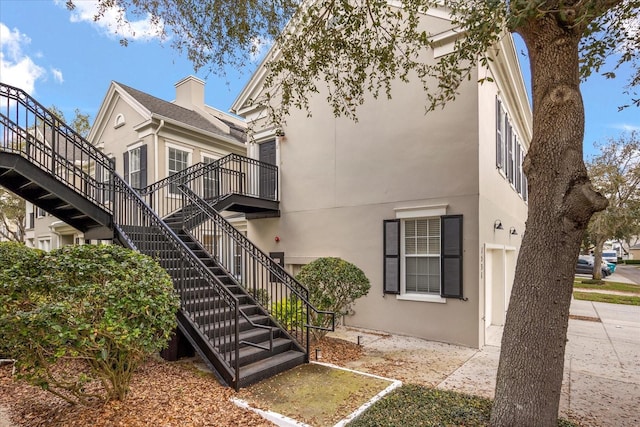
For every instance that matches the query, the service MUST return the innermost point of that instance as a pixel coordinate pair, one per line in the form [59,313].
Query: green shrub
[632,261]
[16,261]
[289,312]
[334,284]
[261,296]
[82,324]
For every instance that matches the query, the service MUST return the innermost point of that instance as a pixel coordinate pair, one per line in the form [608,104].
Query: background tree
[12,214]
[615,172]
[360,47]
[79,123]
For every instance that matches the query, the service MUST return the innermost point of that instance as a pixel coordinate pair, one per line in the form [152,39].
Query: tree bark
[561,202]
[597,258]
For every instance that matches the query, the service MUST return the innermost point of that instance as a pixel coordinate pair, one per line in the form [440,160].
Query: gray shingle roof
[175,112]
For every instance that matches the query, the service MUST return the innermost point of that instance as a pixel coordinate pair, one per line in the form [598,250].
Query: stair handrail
[232,174]
[31,148]
[23,98]
[48,156]
[127,193]
[298,289]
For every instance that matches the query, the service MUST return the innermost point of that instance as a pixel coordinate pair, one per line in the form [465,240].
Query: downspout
[155,151]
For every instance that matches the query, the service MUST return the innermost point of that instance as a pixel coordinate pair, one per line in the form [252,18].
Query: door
[267,154]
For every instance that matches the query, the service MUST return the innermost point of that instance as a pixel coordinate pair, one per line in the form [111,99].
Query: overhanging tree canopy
[356,47]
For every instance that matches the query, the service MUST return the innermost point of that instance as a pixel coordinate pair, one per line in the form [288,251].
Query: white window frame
[132,167]
[413,213]
[176,147]
[44,243]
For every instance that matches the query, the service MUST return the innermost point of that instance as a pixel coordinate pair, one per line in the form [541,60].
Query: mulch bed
[162,394]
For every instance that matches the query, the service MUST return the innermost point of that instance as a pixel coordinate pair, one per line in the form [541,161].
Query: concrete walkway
[601,385]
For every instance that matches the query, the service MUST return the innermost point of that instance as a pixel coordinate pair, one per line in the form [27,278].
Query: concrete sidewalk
[601,385]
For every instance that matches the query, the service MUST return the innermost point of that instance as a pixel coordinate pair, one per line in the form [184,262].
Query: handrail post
[237,347]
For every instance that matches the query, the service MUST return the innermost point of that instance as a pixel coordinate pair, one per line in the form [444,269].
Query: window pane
[421,243]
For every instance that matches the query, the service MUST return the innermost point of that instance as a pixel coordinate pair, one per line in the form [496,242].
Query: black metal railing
[232,174]
[203,296]
[30,130]
[279,293]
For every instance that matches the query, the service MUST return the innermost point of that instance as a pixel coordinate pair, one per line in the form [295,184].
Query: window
[210,180]
[119,121]
[135,166]
[421,266]
[423,257]
[509,151]
[177,161]
[40,213]
[500,135]
[44,244]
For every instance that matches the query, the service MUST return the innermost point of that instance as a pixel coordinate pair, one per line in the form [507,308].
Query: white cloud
[258,48]
[114,21]
[16,68]
[627,127]
[57,75]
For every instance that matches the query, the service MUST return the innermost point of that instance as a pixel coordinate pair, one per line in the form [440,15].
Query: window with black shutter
[451,256]
[143,166]
[392,256]
[499,135]
[125,158]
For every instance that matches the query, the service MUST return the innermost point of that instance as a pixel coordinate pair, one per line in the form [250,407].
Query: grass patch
[413,405]
[610,298]
[314,394]
[609,286]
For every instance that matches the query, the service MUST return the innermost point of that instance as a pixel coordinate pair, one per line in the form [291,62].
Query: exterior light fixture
[318,353]
[513,231]
[497,225]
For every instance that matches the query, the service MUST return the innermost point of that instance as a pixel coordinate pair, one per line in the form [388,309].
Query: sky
[66,59]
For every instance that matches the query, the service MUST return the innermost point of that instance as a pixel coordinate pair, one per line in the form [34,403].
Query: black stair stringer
[201,345]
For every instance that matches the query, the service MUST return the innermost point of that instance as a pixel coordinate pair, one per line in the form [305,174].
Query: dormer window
[119,121]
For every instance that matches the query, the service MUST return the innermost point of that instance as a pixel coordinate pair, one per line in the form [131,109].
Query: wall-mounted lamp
[513,231]
[497,225]
[277,239]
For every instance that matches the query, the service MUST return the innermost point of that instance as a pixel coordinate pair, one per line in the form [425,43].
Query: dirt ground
[162,394]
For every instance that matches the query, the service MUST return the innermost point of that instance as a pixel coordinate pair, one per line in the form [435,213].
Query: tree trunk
[597,258]
[561,202]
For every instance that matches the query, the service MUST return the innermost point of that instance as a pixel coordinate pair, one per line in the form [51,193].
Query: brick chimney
[190,93]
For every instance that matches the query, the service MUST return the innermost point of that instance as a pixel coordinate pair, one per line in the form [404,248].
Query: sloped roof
[183,115]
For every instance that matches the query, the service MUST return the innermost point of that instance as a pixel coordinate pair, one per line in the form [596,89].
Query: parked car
[584,266]
[591,259]
[610,256]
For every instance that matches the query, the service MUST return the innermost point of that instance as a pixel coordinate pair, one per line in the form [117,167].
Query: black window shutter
[451,256]
[391,256]
[499,135]
[143,166]
[125,157]
[100,183]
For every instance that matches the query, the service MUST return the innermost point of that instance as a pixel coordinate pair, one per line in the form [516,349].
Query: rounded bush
[334,284]
[104,308]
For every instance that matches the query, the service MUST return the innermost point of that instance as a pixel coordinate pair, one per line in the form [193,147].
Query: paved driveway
[601,383]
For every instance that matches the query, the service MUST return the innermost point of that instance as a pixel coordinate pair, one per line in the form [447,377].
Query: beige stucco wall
[340,180]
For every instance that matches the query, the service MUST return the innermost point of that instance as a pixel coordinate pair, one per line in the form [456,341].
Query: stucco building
[431,207]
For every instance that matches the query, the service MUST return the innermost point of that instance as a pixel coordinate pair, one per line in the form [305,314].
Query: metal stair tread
[268,367]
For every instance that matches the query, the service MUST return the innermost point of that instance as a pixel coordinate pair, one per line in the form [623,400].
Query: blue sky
[65,59]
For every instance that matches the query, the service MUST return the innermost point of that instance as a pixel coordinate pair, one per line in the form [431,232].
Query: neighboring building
[634,252]
[149,139]
[394,190]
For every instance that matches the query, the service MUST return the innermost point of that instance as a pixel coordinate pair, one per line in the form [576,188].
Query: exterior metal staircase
[235,300]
